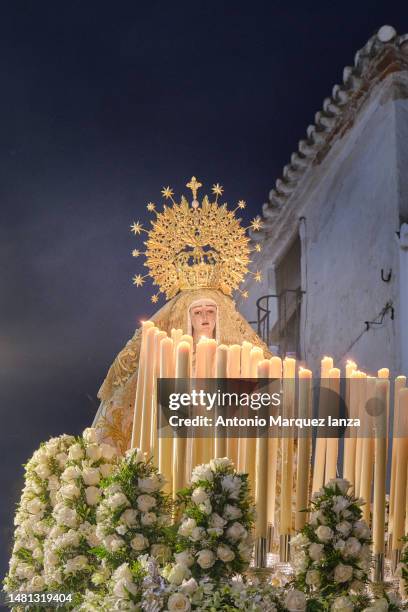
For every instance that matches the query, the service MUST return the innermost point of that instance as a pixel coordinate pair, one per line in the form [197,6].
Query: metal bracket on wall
[387,308]
[387,278]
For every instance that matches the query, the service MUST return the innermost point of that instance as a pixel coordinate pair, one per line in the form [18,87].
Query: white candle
[221,372]
[367,463]
[350,442]
[380,466]
[401,470]
[179,444]
[166,444]
[261,474]
[399,383]
[153,422]
[245,357]
[149,390]
[210,352]
[275,371]
[361,399]
[289,370]
[234,371]
[332,444]
[320,448]
[303,449]
[137,416]
[249,444]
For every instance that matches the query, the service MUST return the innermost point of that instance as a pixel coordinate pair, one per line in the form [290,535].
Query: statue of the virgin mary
[197,255]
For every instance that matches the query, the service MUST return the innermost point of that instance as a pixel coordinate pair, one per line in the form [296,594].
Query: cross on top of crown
[194,185]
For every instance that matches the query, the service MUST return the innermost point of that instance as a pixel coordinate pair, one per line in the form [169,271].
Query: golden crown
[196,246]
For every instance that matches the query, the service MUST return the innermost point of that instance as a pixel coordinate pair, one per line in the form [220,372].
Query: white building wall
[351,205]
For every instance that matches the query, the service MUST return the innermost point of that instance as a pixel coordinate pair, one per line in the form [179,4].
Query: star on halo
[258,276]
[150,207]
[258,248]
[136,227]
[256,224]
[241,204]
[245,294]
[135,253]
[154,298]
[167,192]
[138,280]
[217,189]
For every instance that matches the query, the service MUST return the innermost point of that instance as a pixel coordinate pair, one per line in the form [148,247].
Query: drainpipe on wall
[403,294]
[303,286]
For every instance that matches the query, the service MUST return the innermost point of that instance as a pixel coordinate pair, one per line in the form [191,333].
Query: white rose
[316,551]
[339,545]
[139,542]
[122,573]
[145,502]
[197,534]
[313,578]
[356,586]
[341,483]
[69,491]
[149,485]
[89,435]
[340,503]
[76,452]
[245,551]
[187,527]
[94,452]
[205,558]
[123,587]
[43,470]
[37,583]
[352,547]
[106,469]
[177,573]
[108,451]
[35,506]
[202,472]
[236,531]
[232,512]
[76,564]
[343,573]
[121,529]
[184,558]
[295,600]
[113,543]
[299,561]
[71,473]
[117,500]
[342,604]
[189,586]
[215,531]
[220,463]
[324,533]
[205,507]
[136,455]
[148,518]
[93,495]
[344,528]
[53,483]
[161,552]
[216,520]
[66,516]
[91,476]
[62,459]
[129,517]
[199,495]
[178,601]
[361,530]
[225,553]
[231,485]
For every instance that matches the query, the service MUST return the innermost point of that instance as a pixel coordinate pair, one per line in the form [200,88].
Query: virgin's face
[203,317]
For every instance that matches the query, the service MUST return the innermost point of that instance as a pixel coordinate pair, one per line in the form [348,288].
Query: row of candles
[364,458]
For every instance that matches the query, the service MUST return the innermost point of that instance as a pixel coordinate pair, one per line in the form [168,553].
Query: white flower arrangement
[214,532]
[69,560]
[331,555]
[33,519]
[134,515]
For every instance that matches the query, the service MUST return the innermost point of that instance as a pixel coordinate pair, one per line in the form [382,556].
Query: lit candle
[275,372]
[179,444]
[137,416]
[320,448]
[249,444]
[350,442]
[201,371]
[303,449]
[401,441]
[399,383]
[383,373]
[380,465]
[234,371]
[332,444]
[166,444]
[361,400]
[245,358]
[210,352]
[261,474]
[153,422]
[289,370]
[367,459]
[176,337]
[221,372]
[149,390]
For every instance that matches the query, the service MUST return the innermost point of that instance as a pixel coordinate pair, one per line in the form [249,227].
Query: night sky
[102,104]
